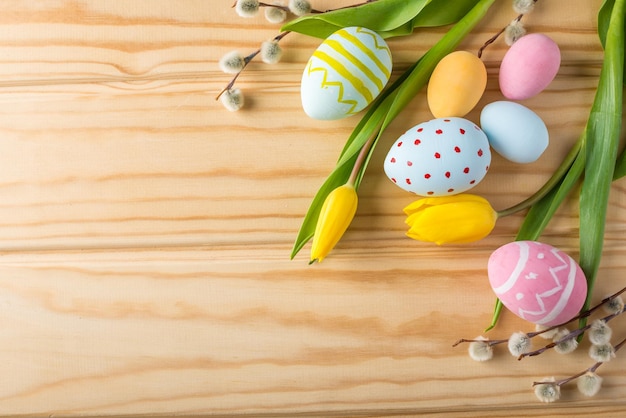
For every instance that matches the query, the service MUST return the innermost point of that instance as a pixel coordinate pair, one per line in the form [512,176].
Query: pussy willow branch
[277,6]
[584,314]
[277,38]
[591,369]
[246,61]
[570,336]
[497,35]
[314,11]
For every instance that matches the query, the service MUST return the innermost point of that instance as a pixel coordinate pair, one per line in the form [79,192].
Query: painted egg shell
[529,66]
[514,131]
[440,157]
[537,282]
[456,85]
[345,74]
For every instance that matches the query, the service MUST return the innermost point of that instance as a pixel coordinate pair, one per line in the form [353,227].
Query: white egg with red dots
[441,157]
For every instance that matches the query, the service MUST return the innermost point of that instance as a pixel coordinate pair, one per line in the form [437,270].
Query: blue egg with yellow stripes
[345,74]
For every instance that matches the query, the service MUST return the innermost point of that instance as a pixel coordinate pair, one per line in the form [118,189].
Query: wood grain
[145,231]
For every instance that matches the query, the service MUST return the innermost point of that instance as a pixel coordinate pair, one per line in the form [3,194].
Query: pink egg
[529,66]
[537,282]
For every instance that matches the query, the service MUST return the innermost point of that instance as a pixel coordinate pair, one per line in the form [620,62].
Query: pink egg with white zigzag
[537,282]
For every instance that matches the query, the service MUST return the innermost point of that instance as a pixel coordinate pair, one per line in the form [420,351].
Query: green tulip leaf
[389,18]
[603,133]
[620,166]
[604,16]
[442,12]
[380,16]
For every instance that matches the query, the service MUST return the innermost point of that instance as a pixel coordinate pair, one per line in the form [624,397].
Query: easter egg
[529,66]
[537,282]
[456,84]
[514,131]
[345,74]
[441,157]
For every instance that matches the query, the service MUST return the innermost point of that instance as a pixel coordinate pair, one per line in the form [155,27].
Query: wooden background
[145,231]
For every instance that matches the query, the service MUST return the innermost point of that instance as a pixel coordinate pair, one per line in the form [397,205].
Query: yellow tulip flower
[334,218]
[454,219]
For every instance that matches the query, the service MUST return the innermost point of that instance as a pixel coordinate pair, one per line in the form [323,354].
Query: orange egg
[456,85]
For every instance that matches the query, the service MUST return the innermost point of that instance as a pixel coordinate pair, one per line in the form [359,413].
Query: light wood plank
[200,331]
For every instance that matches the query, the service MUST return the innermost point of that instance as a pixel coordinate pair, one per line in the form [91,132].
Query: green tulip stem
[550,184]
[362,157]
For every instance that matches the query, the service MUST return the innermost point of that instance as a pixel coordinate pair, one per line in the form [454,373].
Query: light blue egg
[514,131]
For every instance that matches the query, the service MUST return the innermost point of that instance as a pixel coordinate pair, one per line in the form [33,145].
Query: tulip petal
[451,219]
[439,200]
[335,216]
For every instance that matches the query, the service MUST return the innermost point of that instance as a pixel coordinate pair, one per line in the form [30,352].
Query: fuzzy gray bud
[602,352]
[232,99]
[275,15]
[513,32]
[614,306]
[271,52]
[232,63]
[299,7]
[523,6]
[548,391]
[519,343]
[567,345]
[589,384]
[599,332]
[247,8]
[480,350]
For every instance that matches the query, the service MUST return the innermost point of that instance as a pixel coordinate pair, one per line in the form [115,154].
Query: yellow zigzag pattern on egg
[326,83]
[373,35]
